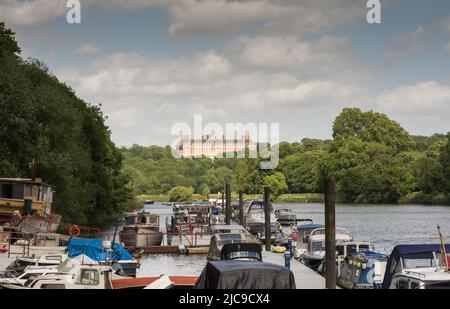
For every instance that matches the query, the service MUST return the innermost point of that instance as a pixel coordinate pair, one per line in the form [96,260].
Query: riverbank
[285,198]
[415,198]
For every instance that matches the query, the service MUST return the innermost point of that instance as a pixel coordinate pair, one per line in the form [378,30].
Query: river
[383,225]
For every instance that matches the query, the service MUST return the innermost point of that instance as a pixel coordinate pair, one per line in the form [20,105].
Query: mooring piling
[330,233]
[267,229]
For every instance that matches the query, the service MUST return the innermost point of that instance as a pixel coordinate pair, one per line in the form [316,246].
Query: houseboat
[141,230]
[26,206]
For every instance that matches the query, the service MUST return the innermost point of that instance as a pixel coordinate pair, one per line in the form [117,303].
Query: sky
[154,63]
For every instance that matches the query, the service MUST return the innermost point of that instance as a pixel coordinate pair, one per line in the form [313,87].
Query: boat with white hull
[315,251]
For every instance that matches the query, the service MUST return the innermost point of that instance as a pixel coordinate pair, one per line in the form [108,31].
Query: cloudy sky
[153,63]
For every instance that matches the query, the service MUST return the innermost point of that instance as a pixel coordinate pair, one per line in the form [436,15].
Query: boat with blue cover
[122,261]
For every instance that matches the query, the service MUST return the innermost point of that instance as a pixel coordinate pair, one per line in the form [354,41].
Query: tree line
[373,159]
[42,119]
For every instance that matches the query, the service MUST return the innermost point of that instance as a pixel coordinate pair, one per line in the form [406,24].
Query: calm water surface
[383,225]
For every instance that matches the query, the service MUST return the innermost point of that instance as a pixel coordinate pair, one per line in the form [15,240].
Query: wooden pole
[267,229]
[228,204]
[330,233]
[241,208]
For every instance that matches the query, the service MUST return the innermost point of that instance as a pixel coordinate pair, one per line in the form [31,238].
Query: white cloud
[87,49]
[328,55]
[425,97]
[18,12]
[143,95]
[208,17]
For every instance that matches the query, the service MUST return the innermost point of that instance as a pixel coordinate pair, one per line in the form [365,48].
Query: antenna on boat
[443,251]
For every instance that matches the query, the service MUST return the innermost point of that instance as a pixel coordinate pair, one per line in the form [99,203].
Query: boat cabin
[416,267]
[228,234]
[26,196]
[142,217]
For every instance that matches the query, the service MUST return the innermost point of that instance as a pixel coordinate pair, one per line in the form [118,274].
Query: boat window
[7,191]
[402,285]
[419,260]
[53,258]
[340,250]
[414,285]
[53,286]
[364,247]
[317,246]
[438,286]
[89,277]
[225,237]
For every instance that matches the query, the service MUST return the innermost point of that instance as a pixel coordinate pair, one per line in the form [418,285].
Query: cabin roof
[25,180]
[425,274]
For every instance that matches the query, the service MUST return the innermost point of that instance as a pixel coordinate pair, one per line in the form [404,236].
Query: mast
[443,251]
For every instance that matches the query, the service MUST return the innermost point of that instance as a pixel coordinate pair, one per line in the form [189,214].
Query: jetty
[305,277]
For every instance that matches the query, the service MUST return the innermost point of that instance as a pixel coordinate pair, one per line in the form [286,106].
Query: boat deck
[305,278]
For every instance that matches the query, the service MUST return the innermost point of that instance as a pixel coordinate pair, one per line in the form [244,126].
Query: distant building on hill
[213,147]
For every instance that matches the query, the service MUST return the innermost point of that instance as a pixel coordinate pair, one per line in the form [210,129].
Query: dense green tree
[42,119]
[277,185]
[181,194]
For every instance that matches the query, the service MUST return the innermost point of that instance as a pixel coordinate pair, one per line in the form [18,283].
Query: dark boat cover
[311,226]
[244,275]
[93,248]
[407,251]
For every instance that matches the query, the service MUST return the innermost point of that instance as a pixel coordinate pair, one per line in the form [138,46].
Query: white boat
[29,273]
[420,266]
[52,259]
[72,274]
[422,278]
[315,251]
[286,216]
[255,218]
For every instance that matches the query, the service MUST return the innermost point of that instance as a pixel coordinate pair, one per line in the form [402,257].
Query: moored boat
[315,251]
[26,206]
[417,266]
[228,234]
[286,216]
[362,270]
[255,219]
[141,231]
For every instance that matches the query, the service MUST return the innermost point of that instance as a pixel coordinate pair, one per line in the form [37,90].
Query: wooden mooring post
[228,204]
[241,208]
[330,233]
[267,229]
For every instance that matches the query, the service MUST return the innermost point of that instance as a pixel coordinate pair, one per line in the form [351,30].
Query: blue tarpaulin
[93,248]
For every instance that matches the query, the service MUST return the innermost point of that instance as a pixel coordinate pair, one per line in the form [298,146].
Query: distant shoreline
[300,198]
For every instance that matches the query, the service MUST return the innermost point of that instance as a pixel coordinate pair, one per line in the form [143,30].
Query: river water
[383,225]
